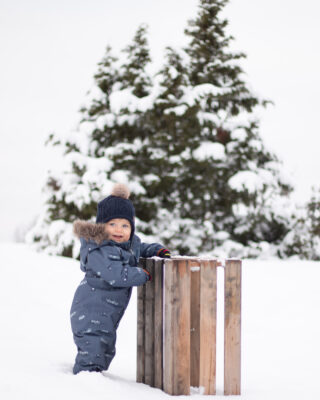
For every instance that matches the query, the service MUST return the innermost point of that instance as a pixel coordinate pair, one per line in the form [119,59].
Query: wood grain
[208,322]
[194,266]
[176,379]
[149,325]
[232,329]
[140,330]
[158,324]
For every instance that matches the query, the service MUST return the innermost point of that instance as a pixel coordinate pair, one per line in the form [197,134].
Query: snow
[281,329]
[208,149]
[179,110]
[246,179]
[239,134]
[124,99]
[149,178]
[206,89]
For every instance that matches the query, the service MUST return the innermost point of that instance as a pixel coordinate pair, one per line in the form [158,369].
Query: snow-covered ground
[280,349]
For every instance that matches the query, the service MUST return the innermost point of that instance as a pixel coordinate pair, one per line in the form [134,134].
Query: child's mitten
[164,253]
[148,273]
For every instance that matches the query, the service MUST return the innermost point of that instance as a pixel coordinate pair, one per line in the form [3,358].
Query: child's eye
[125,226]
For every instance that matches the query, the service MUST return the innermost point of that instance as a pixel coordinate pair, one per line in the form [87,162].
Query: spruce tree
[208,180]
[303,238]
[134,74]
[86,172]
[185,141]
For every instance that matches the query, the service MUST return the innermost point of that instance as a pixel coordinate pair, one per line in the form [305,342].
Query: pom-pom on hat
[117,205]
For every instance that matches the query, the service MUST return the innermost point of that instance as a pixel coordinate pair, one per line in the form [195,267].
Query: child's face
[118,230]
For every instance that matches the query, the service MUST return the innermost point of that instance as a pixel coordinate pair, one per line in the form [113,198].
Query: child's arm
[114,270]
[154,249]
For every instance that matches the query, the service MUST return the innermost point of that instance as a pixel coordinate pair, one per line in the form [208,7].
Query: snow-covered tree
[134,74]
[208,180]
[85,171]
[185,141]
[303,238]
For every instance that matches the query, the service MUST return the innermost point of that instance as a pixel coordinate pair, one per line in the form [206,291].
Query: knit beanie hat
[117,205]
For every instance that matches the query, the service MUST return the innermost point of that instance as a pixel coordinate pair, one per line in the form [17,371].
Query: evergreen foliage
[303,238]
[133,74]
[184,141]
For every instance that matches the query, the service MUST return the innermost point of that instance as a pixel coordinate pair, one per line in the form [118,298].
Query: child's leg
[95,351]
[94,326]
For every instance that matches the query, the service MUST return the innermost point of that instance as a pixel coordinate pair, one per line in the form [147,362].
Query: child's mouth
[117,237]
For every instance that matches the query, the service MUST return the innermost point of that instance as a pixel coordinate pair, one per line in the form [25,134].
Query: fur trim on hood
[90,231]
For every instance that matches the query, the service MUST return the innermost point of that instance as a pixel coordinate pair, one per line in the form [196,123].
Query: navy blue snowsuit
[103,295]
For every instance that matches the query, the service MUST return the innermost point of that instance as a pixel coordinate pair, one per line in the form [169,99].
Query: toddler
[109,256]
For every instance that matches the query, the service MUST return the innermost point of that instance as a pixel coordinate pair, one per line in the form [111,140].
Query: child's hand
[148,273]
[164,253]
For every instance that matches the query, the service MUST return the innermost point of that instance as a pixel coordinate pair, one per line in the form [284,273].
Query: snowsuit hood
[90,231]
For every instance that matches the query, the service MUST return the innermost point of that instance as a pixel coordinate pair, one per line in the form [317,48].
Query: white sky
[49,51]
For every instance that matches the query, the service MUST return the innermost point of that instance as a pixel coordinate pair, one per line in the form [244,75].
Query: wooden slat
[149,326]
[232,333]
[158,323]
[140,329]
[194,266]
[208,322]
[168,340]
[176,380]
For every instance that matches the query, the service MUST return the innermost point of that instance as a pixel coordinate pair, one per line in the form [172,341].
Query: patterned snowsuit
[103,295]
